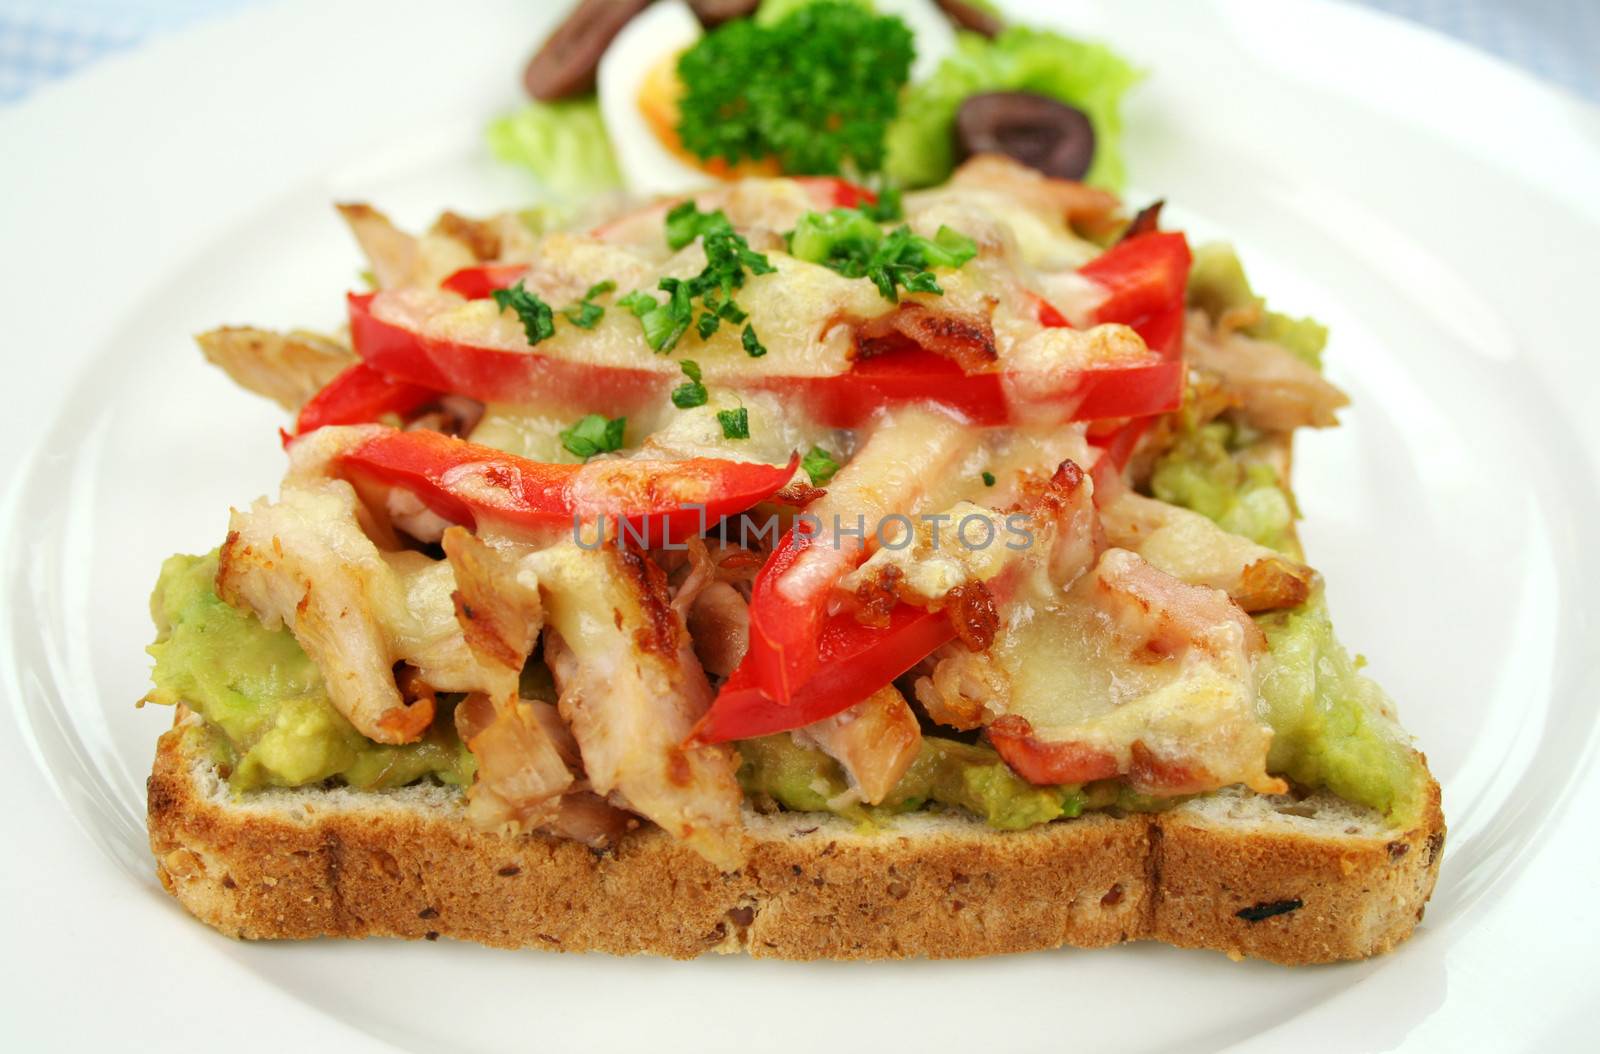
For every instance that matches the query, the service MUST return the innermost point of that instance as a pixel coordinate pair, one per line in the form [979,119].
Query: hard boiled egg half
[639,91]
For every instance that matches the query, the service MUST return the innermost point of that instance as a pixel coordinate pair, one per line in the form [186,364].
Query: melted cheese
[1077,672]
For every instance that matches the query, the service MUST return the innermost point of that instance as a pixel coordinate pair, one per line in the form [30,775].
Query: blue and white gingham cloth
[41,40]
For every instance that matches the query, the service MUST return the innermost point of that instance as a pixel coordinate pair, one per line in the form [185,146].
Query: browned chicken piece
[1275,390]
[497,605]
[876,740]
[631,691]
[525,752]
[1193,548]
[308,561]
[303,562]
[520,770]
[288,368]
[1088,209]
[959,685]
[719,624]
[399,259]
[1164,615]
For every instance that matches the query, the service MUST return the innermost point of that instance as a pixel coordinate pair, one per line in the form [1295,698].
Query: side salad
[658,97]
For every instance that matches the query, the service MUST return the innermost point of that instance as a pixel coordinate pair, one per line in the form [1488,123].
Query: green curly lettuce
[563,143]
[1089,76]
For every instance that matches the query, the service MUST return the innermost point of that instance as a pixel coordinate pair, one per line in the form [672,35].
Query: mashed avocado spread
[263,700]
[1332,726]
[271,725]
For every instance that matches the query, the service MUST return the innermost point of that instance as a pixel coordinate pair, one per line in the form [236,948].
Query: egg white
[647,166]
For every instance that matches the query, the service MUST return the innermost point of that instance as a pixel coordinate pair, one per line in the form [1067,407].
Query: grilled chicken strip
[287,368]
[876,740]
[304,562]
[1193,548]
[631,690]
[400,259]
[1276,390]
[525,754]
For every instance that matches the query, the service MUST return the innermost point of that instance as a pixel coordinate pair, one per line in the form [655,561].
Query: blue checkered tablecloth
[41,40]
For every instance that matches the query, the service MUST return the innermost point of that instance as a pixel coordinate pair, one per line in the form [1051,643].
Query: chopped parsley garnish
[538,322]
[886,209]
[586,314]
[816,90]
[752,343]
[690,393]
[729,259]
[988,479]
[819,465]
[594,434]
[851,242]
[735,423]
[686,222]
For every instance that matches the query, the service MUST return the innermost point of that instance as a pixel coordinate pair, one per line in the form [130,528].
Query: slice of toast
[1292,881]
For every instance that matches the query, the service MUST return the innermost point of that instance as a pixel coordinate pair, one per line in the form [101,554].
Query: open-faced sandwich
[793,568]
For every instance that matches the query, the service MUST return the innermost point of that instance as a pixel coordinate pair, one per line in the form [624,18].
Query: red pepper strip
[358,395]
[477,283]
[1115,450]
[1045,763]
[851,660]
[495,375]
[850,656]
[783,631]
[1049,316]
[1142,276]
[833,192]
[649,503]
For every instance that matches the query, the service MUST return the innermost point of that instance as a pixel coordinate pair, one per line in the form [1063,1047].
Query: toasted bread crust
[352,865]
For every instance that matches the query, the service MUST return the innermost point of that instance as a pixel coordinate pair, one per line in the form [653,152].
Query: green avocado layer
[272,725]
[265,699]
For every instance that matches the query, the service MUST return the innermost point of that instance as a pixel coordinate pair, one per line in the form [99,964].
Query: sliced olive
[712,13]
[567,62]
[974,18]
[1039,131]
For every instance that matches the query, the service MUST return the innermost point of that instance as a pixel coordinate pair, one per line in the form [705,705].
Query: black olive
[971,17]
[712,13]
[566,63]
[1039,131]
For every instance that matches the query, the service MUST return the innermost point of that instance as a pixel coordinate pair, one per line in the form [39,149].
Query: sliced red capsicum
[1142,276]
[851,657]
[494,374]
[646,503]
[359,395]
[843,659]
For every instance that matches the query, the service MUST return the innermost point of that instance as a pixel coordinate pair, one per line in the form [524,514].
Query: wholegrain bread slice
[1289,880]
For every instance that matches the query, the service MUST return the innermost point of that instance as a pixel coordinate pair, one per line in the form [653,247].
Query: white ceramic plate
[1437,209]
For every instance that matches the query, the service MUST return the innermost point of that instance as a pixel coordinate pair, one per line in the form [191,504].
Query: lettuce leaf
[1089,76]
[563,143]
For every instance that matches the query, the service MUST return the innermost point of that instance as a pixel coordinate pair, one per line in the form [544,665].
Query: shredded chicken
[309,562]
[959,686]
[631,690]
[399,259]
[525,754]
[1086,208]
[304,562]
[719,625]
[1191,547]
[876,740]
[288,368]
[519,768]
[1276,391]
